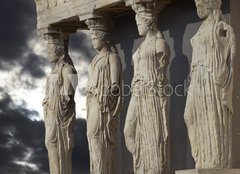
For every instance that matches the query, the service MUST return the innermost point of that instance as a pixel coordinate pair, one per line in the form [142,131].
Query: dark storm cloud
[34,65]
[21,136]
[18,26]
[80,42]
[18,20]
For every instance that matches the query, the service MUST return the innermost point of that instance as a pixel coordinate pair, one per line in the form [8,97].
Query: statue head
[100,39]
[207,7]
[55,47]
[100,34]
[146,15]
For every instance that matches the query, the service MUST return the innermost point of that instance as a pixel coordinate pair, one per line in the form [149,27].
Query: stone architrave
[59,107]
[53,3]
[46,4]
[41,5]
[104,98]
[210,171]
[147,124]
[209,109]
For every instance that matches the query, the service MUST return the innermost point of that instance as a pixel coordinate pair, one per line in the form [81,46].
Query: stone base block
[209,171]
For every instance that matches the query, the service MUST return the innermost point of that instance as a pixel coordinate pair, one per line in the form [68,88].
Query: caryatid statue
[104,98]
[59,107]
[147,127]
[209,110]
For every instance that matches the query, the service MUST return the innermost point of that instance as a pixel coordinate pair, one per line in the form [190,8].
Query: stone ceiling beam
[51,15]
[67,12]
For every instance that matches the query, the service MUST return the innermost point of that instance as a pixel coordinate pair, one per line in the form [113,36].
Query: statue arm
[69,80]
[69,83]
[163,55]
[115,99]
[228,86]
[115,70]
[163,52]
[232,54]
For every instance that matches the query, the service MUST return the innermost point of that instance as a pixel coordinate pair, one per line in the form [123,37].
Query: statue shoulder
[225,30]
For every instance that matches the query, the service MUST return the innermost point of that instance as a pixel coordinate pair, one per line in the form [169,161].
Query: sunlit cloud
[81,66]
[18,87]
[32,166]
[25,162]
[38,45]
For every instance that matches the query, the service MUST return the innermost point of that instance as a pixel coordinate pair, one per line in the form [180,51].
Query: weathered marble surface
[59,107]
[209,171]
[208,112]
[104,99]
[51,12]
[46,4]
[147,126]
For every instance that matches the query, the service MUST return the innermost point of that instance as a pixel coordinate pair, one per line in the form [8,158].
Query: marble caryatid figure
[146,128]
[104,99]
[59,107]
[209,110]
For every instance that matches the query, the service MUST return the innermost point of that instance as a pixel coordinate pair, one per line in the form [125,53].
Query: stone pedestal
[209,171]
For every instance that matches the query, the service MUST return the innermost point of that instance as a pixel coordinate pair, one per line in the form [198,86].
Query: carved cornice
[74,12]
[100,23]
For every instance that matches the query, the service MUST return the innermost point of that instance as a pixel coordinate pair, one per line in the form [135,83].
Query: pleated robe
[146,127]
[208,112]
[59,118]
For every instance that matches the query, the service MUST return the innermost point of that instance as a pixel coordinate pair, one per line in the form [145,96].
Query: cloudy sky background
[23,71]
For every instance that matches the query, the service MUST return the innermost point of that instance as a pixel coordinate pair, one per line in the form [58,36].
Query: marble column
[59,105]
[147,123]
[209,108]
[104,97]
